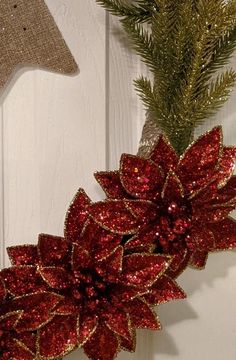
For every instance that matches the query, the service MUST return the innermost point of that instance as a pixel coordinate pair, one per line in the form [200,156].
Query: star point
[29,36]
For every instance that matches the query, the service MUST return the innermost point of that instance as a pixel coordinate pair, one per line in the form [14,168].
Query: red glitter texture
[173,205]
[19,320]
[100,290]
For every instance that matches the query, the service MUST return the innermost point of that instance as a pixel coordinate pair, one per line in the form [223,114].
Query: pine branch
[223,51]
[214,97]
[139,13]
[142,43]
[145,91]
[184,44]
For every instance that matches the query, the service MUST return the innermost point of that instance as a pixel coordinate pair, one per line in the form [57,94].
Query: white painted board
[57,130]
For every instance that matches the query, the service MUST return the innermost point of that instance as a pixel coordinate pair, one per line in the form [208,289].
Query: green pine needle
[185,44]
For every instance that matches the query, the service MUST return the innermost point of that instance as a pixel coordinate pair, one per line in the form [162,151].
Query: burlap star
[30,36]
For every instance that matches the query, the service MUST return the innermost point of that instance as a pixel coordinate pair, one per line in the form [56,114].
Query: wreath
[165,209]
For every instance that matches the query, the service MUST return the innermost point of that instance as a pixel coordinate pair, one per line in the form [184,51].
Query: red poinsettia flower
[173,205]
[106,295]
[19,320]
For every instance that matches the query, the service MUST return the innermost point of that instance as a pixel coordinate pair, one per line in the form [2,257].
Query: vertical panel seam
[107,91]
[2,221]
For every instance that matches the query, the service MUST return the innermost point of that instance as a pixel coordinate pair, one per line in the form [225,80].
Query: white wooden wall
[56,131]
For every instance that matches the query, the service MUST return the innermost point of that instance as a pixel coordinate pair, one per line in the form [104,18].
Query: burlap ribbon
[150,135]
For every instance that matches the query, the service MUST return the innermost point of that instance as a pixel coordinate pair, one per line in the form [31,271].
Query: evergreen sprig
[140,12]
[184,44]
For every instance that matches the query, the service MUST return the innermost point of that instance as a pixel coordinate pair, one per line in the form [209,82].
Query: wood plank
[2,237]
[126,113]
[54,129]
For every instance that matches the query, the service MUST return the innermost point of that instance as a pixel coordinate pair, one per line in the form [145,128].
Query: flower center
[90,288]
[173,225]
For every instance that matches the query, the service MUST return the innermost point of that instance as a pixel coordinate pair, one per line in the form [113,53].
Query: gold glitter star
[30,36]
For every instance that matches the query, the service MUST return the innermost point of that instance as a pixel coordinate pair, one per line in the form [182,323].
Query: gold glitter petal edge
[137,201]
[130,328]
[117,351]
[223,183]
[168,258]
[80,345]
[23,346]
[40,269]
[18,246]
[18,313]
[151,308]
[200,268]
[172,174]
[59,357]
[137,158]
[199,138]
[79,192]
[178,287]
[96,175]
[134,338]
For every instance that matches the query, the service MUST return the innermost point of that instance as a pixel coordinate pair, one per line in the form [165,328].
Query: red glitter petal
[128,345]
[22,280]
[145,211]
[143,269]
[23,255]
[53,250]
[142,316]
[204,196]
[179,263]
[126,293]
[2,291]
[29,340]
[67,306]
[111,184]
[87,325]
[211,214]
[55,277]
[211,204]
[205,152]
[141,178]
[227,195]
[37,309]
[163,290]
[198,259]
[19,352]
[173,189]
[164,155]
[144,240]
[200,239]
[225,234]
[105,243]
[118,321]
[103,344]
[80,258]
[114,216]
[227,164]
[113,263]
[9,321]
[59,337]
[76,216]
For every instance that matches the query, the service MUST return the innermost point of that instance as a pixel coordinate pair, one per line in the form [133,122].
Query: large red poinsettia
[173,205]
[106,294]
[19,320]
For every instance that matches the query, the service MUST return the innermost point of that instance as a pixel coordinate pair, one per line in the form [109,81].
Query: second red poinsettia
[173,205]
[105,295]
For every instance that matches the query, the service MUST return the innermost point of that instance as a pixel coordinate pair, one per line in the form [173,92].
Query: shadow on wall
[18,72]
[150,345]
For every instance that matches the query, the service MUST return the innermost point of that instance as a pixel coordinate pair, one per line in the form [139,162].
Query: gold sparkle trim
[173,175]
